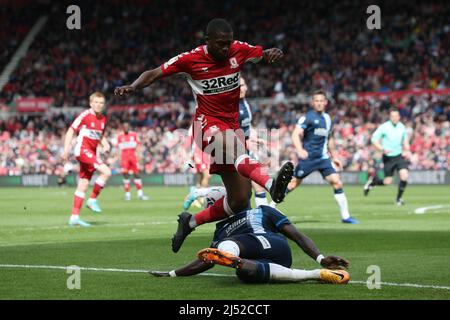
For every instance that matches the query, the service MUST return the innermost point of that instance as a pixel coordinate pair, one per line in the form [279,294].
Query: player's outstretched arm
[144,80]
[272,55]
[191,269]
[310,248]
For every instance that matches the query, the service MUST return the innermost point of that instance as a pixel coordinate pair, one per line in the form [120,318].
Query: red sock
[98,186]
[138,184]
[252,169]
[78,199]
[126,185]
[214,213]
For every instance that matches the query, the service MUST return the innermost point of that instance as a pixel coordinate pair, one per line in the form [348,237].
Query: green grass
[409,248]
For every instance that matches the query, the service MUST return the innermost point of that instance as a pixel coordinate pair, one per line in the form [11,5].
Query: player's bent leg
[250,271]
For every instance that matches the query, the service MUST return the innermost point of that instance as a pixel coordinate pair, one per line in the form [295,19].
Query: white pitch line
[25,266]
[99,226]
[424,210]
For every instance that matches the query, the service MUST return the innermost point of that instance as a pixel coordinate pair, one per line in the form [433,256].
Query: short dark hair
[218,25]
[394,109]
[320,91]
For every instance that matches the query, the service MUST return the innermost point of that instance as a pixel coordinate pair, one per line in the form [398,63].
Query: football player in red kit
[90,128]
[128,144]
[213,72]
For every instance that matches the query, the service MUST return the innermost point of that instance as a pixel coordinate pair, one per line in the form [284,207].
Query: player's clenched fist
[124,90]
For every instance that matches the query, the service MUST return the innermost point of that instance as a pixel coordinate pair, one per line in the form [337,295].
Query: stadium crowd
[324,48]
[326,45]
[30,144]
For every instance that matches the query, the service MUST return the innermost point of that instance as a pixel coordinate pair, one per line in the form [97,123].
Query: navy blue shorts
[264,247]
[305,167]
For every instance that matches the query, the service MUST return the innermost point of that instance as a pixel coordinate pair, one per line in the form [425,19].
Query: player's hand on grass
[273,55]
[124,90]
[159,273]
[334,262]
[303,154]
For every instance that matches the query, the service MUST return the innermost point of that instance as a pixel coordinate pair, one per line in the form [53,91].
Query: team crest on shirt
[316,121]
[233,63]
[213,129]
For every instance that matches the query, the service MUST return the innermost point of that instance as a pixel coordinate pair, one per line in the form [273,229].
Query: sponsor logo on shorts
[264,242]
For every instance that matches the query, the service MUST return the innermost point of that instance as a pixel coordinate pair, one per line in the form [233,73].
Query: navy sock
[401,189]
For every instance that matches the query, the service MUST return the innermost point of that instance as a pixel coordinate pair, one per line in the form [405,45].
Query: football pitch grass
[129,238]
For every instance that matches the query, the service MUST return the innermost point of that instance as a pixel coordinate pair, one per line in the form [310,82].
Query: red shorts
[202,162]
[88,163]
[129,165]
[209,126]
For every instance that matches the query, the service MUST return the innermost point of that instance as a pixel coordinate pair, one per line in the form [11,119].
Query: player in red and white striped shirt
[128,144]
[213,72]
[90,128]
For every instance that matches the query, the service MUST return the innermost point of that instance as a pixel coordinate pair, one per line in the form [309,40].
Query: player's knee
[239,202]
[229,246]
[337,184]
[387,181]
[83,185]
[259,275]
[106,172]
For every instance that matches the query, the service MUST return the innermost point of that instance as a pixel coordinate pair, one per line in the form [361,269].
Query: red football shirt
[215,84]
[127,144]
[90,129]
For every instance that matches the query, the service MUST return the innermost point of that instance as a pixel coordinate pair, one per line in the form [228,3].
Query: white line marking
[26,266]
[98,226]
[411,285]
[424,210]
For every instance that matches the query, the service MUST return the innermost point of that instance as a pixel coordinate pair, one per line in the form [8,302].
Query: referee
[391,139]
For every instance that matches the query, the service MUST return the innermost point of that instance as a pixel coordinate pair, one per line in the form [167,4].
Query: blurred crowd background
[326,45]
